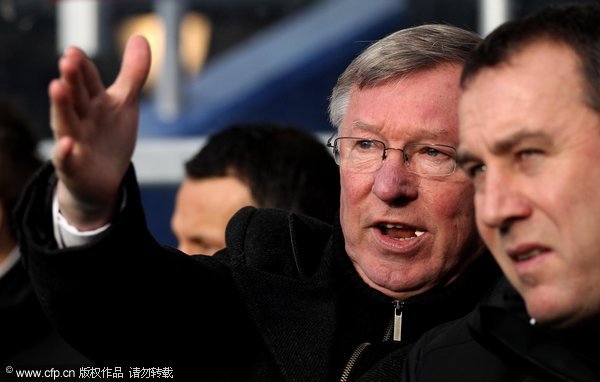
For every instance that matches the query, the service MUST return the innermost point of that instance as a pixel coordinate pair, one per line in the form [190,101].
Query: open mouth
[527,255]
[399,232]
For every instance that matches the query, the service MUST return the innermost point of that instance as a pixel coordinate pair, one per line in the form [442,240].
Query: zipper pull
[398,305]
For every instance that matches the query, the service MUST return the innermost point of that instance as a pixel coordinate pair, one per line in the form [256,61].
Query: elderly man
[530,131]
[290,298]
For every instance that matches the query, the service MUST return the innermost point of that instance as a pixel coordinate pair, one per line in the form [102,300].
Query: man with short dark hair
[264,165]
[530,132]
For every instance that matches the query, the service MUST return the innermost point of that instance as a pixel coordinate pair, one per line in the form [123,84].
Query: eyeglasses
[367,155]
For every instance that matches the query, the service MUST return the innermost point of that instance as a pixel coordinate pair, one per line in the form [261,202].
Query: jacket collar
[298,329]
[506,324]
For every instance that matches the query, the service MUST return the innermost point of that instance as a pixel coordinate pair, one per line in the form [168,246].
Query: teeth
[399,226]
[529,255]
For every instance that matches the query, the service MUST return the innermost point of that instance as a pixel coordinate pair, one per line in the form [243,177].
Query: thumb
[134,67]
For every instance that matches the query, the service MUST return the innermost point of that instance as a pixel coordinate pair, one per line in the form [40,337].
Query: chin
[550,314]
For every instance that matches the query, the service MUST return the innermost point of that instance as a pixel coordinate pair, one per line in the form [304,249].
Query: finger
[63,118]
[91,77]
[71,67]
[63,158]
[134,68]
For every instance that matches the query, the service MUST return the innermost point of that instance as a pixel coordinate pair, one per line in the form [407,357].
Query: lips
[400,232]
[528,253]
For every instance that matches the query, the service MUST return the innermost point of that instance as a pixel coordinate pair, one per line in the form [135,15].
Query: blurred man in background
[260,165]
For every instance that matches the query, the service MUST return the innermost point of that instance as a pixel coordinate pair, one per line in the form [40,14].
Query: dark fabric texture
[497,343]
[281,303]
[27,336]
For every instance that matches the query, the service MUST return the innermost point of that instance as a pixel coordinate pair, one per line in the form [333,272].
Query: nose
[500,201]
[393,183]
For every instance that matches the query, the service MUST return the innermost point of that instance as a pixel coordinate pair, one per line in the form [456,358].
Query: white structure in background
[491,14]
[167,96]
[78,24]
[160,161]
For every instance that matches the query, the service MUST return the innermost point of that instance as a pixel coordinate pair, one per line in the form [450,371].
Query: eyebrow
[364,126]
[463,156]
[507,144]
[424,134]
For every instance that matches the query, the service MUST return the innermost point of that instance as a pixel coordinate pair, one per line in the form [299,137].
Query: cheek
[452,201]
[354,191]
[354,187]
[486,232]
[453,210]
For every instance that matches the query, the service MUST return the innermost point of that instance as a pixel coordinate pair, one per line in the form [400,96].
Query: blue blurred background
[215,62]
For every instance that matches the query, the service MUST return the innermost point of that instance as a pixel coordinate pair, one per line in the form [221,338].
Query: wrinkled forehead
[423,104]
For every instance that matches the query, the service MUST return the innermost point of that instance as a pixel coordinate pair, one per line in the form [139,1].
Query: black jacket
[497,343]
[281,303]
[27,337]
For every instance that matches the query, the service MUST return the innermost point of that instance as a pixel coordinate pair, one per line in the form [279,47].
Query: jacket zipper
[352,360]
[394,329]
[398,307]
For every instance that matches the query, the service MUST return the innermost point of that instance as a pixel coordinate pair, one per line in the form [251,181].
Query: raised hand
[95,130]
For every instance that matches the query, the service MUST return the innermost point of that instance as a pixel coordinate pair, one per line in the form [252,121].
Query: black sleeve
[125,297]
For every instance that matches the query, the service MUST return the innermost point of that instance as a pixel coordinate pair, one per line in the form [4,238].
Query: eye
[366,145]
[528,153]
[433,153]
[530,160]
[473,169]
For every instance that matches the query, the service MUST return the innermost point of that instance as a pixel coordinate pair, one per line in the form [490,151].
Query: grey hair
[398,55]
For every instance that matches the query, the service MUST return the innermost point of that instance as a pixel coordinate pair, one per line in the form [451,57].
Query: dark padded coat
[281,303]
[497,343]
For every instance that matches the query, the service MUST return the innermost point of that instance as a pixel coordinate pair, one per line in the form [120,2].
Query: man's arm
[95,130]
